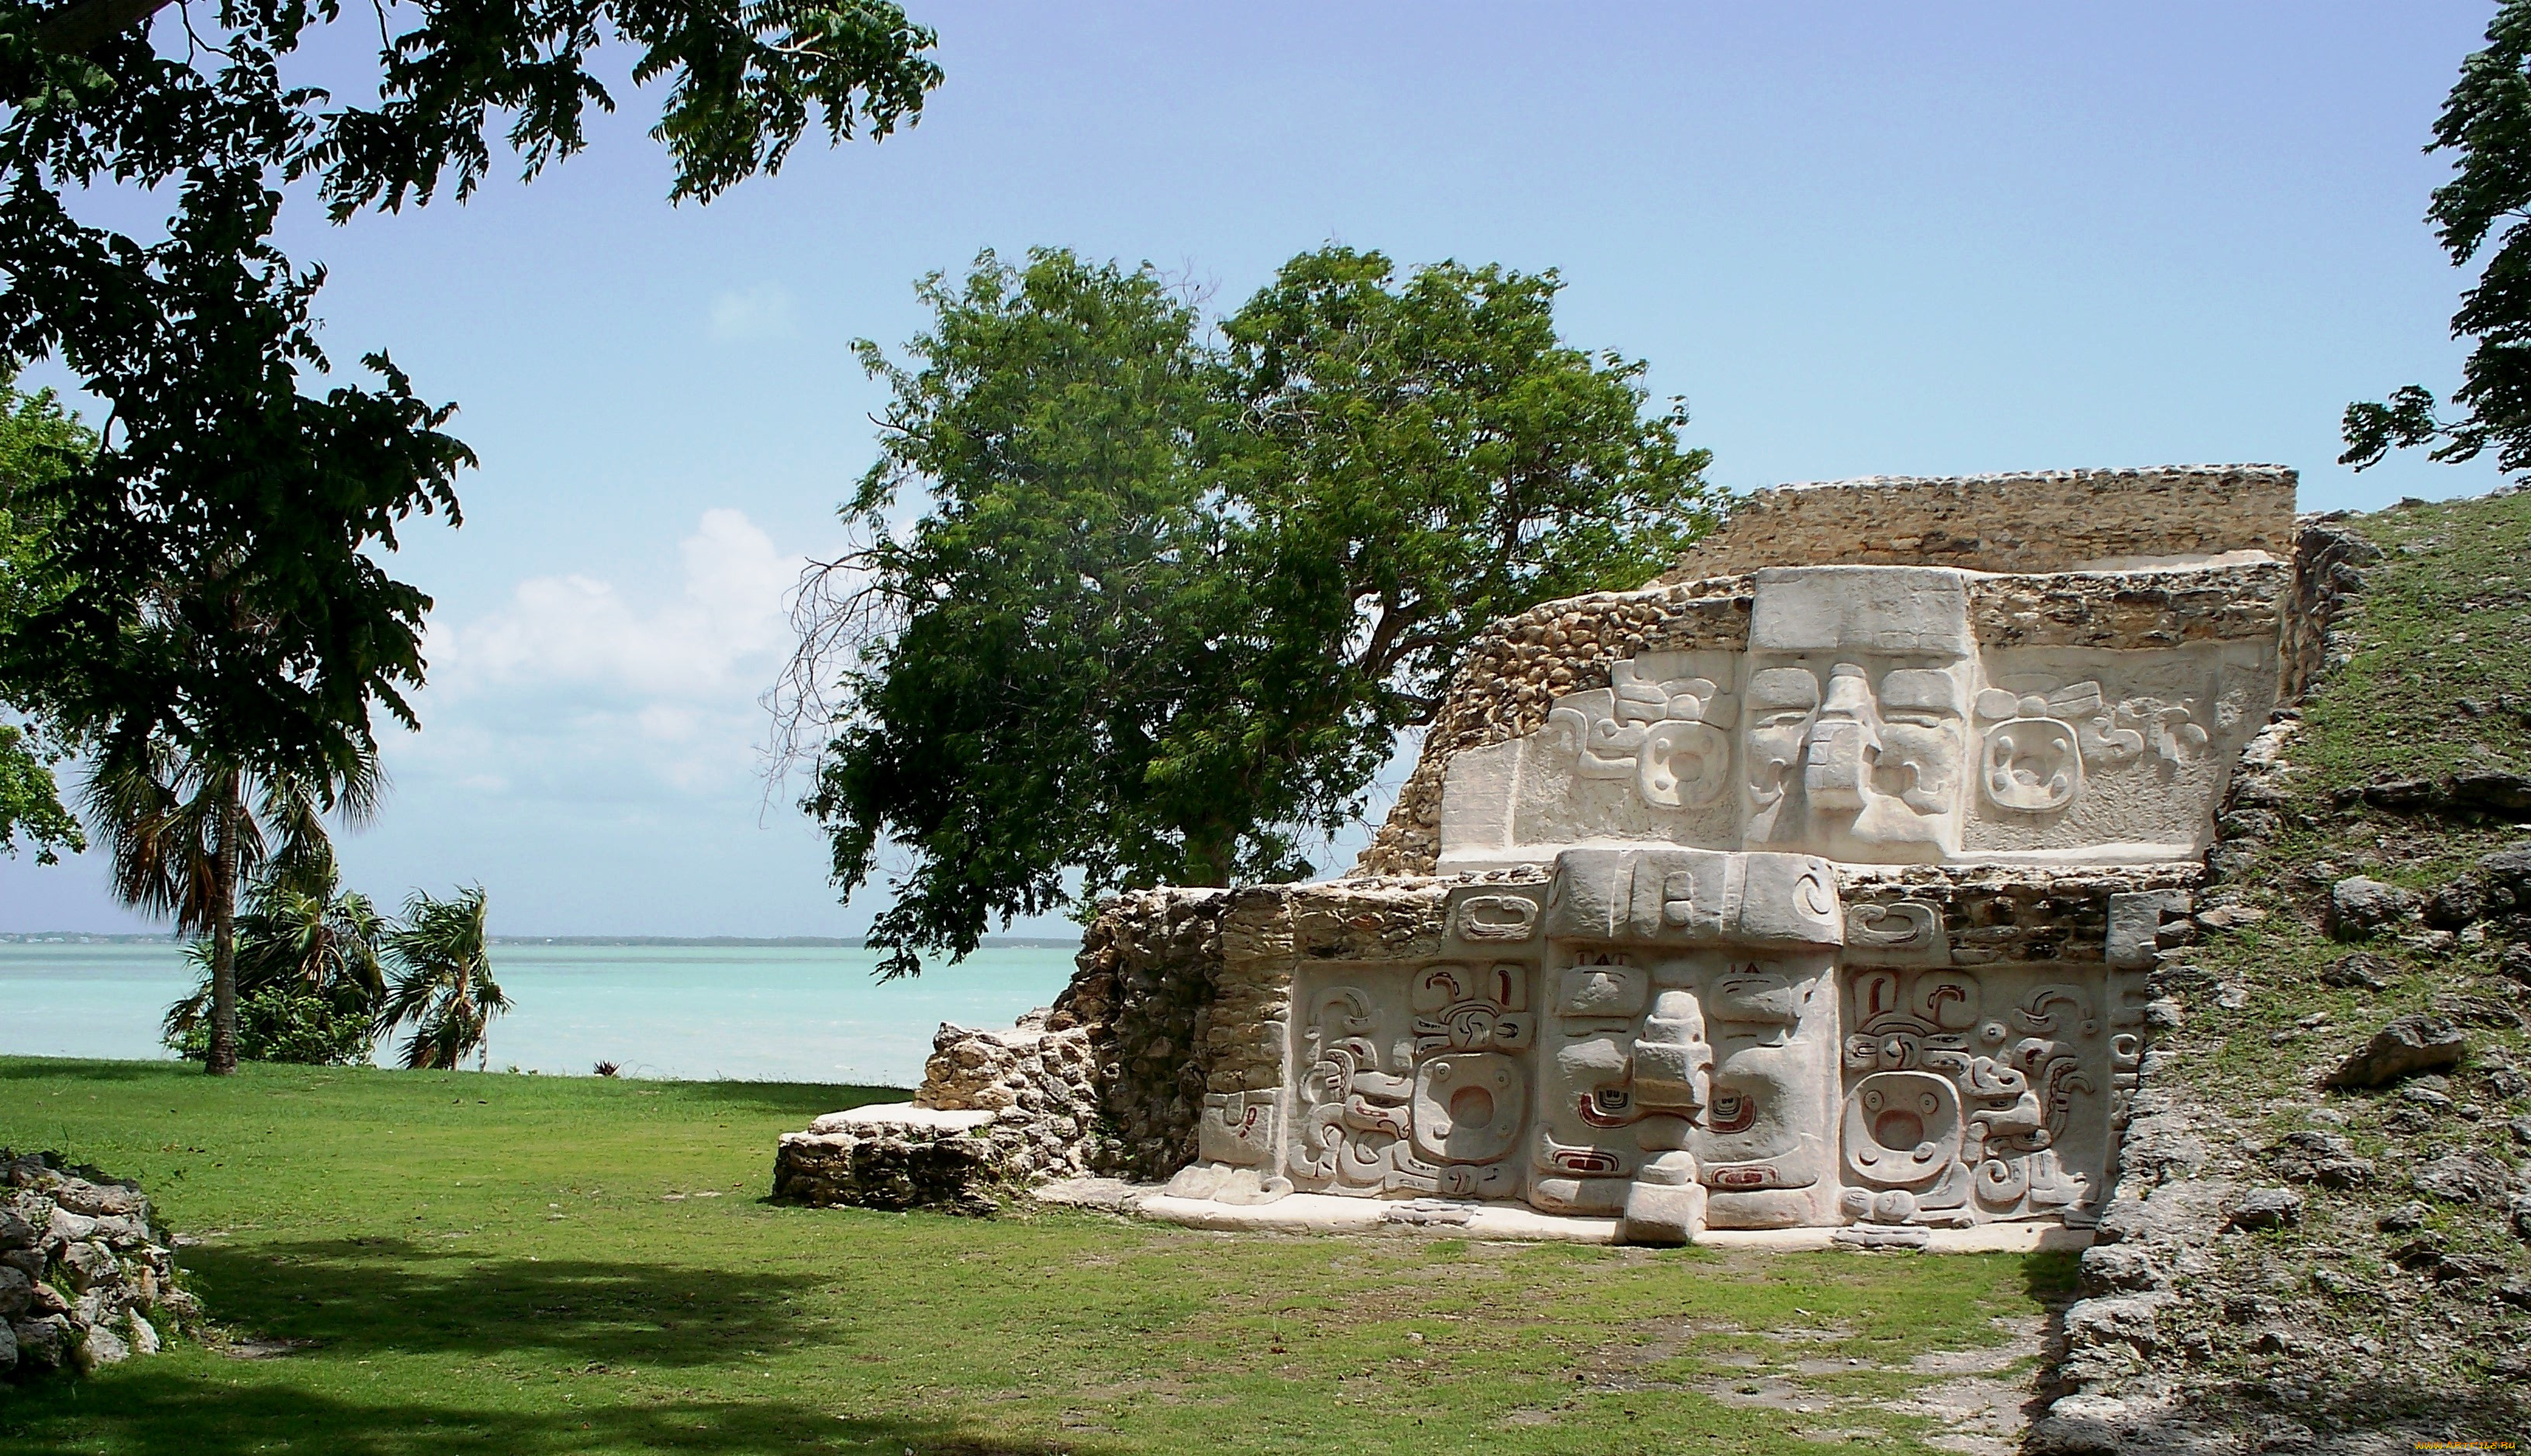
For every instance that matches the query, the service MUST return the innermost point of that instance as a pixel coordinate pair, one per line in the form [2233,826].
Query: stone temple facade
[1810,889]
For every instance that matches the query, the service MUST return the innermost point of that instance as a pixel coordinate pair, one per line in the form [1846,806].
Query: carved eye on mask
[1920,759]
[2032,764]
[1683,765]
[1920,739]
[1780,702]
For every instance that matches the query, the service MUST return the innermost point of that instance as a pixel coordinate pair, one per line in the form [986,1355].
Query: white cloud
[693,647]
[586,690]
[763,311]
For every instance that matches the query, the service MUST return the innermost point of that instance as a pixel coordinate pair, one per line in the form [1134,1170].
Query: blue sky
[1859,239]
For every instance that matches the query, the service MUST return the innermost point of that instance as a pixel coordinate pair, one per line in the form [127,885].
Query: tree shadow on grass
[2054,1280]
[80,1069]
[392,1296]
[801,1100]
[161,1413]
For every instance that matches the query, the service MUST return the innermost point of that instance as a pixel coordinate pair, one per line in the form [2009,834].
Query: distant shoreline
[770,942]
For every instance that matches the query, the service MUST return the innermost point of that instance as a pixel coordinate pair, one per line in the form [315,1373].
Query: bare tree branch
[838,613]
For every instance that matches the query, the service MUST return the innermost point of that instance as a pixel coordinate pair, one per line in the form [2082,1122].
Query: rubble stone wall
[1150,975]
[86,1277]
[2328,567]
[2038,521]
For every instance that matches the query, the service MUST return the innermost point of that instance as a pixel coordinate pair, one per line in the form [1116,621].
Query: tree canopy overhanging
[1173,594]
[39,443]
[226,607]
[2486,123]
[226,489]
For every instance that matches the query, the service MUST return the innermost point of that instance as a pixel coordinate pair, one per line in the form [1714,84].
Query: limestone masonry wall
[2036,522]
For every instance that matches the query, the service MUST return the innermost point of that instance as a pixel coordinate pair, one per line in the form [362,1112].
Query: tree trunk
[222,1058]
[1208,856]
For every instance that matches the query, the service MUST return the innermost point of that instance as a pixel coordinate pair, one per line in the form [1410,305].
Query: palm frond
[443,983]
[159,817]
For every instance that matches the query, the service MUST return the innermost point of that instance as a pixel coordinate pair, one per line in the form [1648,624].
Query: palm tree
[444,981]
[302,938]
[183,829]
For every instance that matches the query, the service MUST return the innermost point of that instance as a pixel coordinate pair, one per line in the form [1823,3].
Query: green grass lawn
[449,1263]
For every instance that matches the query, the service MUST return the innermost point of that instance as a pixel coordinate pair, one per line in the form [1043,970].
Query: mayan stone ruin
[1809,893]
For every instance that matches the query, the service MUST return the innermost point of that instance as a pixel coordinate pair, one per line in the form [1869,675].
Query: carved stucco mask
[2040,746]
[1780,702]
[1915,785]
[1882,766]
[1756,994]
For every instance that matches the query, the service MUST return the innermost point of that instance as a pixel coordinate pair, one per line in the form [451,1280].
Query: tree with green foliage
[1172,597]
[40,444]
[31,803]
[2486,123]
[443,984]
[184,833]
[310,980]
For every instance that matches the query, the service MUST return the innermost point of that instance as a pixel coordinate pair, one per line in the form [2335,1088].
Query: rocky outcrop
[86,1277]
[2408,1045]
[2317,1242]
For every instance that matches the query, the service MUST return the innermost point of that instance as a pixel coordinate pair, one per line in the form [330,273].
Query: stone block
[2406,1046]
[1905,610]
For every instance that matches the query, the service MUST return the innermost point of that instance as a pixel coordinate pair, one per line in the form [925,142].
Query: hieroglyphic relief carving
[1351,1125]
[1947,1102]
[1236,1128]
[1668,735]
[1430,1102]
[2038,744]
[1488,919]
[1903,932]
[1678,1040]
[1471,1093]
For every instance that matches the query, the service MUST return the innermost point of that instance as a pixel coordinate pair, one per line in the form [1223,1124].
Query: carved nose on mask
[1842,743]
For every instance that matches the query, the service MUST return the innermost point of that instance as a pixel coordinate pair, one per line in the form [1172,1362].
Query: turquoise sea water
[754,1012]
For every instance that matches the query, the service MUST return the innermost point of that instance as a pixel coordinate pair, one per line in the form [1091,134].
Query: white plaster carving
[2038,745]
[1866,723]
[1669,735]
[1237,1128]
[1510,919]
[1684,1039]
[1905,932]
